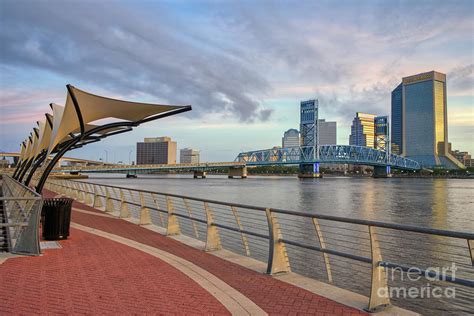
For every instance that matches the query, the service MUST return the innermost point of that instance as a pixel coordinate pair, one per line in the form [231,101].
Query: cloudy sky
[243,65]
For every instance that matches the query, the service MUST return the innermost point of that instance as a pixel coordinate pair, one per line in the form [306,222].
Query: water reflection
[436,203]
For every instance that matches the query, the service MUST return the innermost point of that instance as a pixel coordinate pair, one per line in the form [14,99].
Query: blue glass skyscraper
[397,122]
[421,120]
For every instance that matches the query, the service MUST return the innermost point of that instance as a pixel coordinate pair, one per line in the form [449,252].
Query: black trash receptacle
[56,218]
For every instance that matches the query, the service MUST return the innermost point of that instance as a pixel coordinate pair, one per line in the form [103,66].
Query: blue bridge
[333,154]
[303,156]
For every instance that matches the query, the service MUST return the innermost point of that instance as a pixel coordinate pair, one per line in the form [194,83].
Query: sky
[244,66]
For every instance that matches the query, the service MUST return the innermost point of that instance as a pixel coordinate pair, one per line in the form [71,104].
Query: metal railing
[22,210]
[351,253]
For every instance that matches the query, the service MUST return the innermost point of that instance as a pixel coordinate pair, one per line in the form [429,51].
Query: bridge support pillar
[382,172]
[200,174]
[238,172]
[309,171]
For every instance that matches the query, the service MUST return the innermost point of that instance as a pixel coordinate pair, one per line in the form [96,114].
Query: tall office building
[158,150]
[327,132]
[188,155]
[422,131]
[397,122]
[363,130]
[291,138]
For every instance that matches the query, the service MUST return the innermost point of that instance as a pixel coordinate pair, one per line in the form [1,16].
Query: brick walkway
[104,276]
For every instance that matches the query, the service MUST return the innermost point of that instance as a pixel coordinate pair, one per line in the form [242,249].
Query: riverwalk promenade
[110,265]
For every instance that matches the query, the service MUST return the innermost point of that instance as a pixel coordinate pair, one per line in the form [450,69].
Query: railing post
[242,236]
[124,211]
[74,193]
[70,190]
[188,208]
[173,224]
[65,188]
[160,214]
[87,197]
[277,256]
[61,188]
[379,294]
[80,194]
[97,199]
[109,205]
[145,218]
[213,240]
[470,244]
[319,233]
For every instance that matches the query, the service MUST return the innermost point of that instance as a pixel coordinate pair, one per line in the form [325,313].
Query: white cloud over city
[243,65]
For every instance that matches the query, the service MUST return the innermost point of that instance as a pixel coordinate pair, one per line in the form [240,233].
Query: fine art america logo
[425,290]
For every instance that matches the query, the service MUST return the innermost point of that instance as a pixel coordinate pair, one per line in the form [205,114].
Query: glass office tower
[363,130]
[424,120]
[397,122]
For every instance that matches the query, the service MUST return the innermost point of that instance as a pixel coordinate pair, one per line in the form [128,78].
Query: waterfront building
[156,150]
[363,130]
[422,130]
[397,122]
[381,133]
[188,155]
[327,132]
[291,138]
[463,157]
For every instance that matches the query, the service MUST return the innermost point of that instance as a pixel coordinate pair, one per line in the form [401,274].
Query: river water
[436,203]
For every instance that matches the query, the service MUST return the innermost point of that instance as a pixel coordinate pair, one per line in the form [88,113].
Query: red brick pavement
[272,295]
[94,275]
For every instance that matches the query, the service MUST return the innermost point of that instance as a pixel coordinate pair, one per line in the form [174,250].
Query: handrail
[217,217]
[424,230]
[22,208]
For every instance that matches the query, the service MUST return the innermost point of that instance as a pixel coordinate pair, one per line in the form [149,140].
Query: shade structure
[36,149]
[82,108]
[22,151]
[45,137]
[71,126]
[27,148]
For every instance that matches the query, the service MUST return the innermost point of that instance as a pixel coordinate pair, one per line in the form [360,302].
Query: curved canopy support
[72,123]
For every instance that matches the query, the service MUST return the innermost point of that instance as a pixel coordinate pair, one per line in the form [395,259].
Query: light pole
[106,156]
[129,157]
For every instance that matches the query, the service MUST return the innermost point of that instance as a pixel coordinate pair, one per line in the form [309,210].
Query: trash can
[56,218]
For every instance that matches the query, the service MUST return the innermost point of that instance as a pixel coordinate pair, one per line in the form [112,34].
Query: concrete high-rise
[422,131]
[188,155]
[363,130]
[291,138]
[157,150]
[327,132]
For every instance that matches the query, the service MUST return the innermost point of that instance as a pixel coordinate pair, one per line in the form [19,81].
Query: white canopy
[45,135]
[34,141]
[22,151]
[28,148]
[92,108]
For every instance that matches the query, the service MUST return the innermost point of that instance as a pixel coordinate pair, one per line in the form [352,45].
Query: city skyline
[244,86]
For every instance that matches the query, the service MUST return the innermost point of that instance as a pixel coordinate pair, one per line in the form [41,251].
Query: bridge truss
[334,154]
